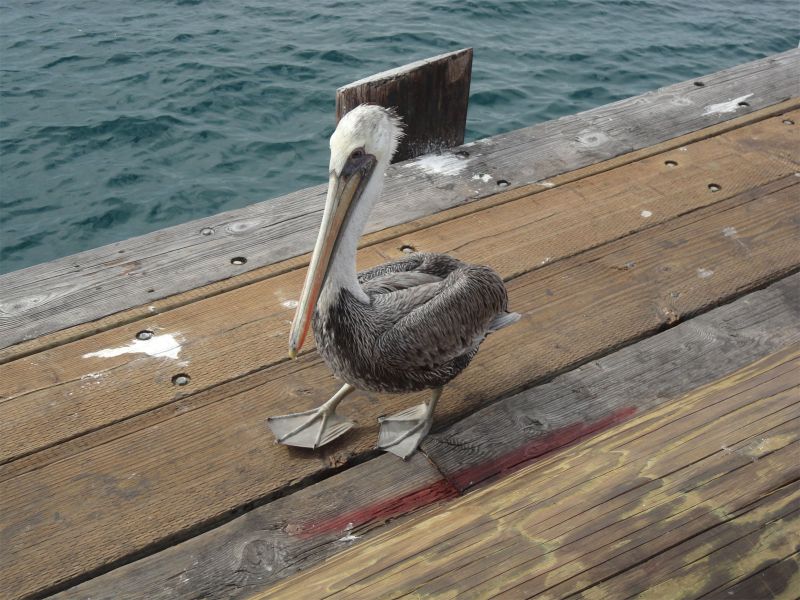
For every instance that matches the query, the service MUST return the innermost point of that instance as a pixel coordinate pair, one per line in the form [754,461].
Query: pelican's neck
[342,273]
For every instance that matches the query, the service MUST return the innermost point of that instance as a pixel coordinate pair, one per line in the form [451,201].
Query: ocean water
[119,118]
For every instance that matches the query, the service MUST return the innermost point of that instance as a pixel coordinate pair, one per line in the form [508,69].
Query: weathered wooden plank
[160,476]
[68,390]
[90,285]
[740,547]
[690,532]
[779,580]
[655,370]
[124,317]
[272,542]
[770,521]
[430,95]
[675,484]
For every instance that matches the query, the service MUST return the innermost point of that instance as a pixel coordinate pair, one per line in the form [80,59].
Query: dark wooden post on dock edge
[430,95]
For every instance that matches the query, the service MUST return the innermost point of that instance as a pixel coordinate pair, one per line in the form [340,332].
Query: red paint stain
[386,509]
[519,457]
[460,481]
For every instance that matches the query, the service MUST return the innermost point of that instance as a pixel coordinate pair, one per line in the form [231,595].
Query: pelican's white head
[370,129]
[361,149]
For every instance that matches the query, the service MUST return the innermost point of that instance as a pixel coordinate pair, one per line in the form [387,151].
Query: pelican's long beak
[343,193]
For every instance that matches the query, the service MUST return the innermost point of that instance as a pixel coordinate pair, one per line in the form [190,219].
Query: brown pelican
[403,326]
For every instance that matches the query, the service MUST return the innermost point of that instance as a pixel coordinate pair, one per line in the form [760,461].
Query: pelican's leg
[402,433]
[312,428]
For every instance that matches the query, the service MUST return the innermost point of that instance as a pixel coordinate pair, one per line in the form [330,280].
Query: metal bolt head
[181,379]
[145,334]
[206,231]
[238,260]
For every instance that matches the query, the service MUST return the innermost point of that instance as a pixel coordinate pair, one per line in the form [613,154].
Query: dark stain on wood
[381,511]
[518,457]
[771,579]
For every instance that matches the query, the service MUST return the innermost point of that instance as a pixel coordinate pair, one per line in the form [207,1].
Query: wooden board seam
[726,519]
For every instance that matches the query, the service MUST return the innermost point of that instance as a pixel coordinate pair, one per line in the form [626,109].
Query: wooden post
[430,95]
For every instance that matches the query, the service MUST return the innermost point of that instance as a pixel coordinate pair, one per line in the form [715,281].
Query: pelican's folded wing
[387,277]
[395,282]
[437,322]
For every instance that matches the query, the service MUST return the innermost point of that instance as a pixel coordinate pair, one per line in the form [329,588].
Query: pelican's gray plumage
[403,326]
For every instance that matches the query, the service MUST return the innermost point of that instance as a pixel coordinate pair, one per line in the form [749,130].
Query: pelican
[403,326]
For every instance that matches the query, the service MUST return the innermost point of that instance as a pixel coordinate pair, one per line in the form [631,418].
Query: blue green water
[119,118]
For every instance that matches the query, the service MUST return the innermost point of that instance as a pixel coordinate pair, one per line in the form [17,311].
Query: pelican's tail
[503,320]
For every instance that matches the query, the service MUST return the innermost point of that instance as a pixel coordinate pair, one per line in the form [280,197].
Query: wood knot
[259,556]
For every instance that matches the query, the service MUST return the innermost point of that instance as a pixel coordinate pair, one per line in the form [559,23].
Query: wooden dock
[637,433]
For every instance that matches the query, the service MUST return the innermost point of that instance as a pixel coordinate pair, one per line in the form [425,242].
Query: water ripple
[118,118]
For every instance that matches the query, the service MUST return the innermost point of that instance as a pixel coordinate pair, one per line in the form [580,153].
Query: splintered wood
[691,498]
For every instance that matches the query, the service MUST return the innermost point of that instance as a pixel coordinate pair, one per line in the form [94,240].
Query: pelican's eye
[358,162]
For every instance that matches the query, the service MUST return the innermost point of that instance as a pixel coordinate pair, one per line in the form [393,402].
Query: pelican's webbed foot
[312,428]
[403,432]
